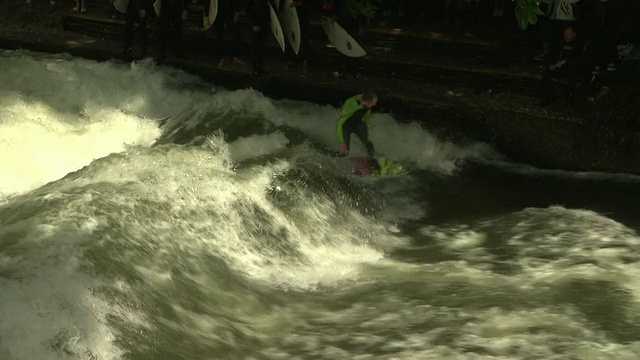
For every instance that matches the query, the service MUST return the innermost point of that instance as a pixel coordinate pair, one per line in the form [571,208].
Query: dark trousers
[258,40]
[567,71]
[132,17]
[359,128]
[234,28]
[555,36]
[170,17]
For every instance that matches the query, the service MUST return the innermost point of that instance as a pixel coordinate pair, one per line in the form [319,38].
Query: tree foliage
[527,12]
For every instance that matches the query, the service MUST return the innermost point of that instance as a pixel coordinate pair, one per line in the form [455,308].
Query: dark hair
[572,26]
[369,96]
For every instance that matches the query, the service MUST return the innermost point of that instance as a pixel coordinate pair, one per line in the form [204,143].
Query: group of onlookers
[581,38]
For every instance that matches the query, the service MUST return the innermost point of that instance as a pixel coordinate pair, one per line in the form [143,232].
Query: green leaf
[522,22]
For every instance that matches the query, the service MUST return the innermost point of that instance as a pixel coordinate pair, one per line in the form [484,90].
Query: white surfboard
[157,6]
[210,17]
[121,5]
[290,24]
[276,29]
[341,39]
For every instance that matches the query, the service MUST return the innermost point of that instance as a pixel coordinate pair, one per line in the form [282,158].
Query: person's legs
[258,39]
[177,29]
[130,18]
[142,24]
[303,53]
[163,25]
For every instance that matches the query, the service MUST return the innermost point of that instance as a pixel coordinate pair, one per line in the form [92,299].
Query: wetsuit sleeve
[340,133]
[346,111]
[367,116]
[339,127]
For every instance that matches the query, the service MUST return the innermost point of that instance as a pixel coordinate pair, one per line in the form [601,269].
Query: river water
[145,214]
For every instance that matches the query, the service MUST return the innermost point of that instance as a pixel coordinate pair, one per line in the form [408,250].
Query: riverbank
[446,91]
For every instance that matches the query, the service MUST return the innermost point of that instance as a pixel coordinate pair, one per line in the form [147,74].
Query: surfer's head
[369,100]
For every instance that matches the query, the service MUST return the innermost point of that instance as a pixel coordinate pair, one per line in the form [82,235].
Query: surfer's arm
[339,125]
[367,116]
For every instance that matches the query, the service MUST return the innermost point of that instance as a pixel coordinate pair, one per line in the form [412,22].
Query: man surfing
[354,118]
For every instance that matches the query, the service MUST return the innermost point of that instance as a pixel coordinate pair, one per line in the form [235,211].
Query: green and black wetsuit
[354,118]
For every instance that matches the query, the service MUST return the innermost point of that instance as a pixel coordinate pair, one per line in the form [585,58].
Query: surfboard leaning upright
[157,6]
[288,16]
[341,39]
[276,29]
[209,17]
[121,5]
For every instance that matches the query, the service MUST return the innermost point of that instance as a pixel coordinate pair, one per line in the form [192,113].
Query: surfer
[260,21]
[137,11]
[354,118]
[229,14]
[173,12]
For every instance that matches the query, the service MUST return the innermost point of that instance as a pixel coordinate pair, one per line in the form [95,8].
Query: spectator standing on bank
[80,6]
[258,11]
[351,15]
[229,15]
[569,64]
[560,14]
[172,12]
[303,53]
[137,12]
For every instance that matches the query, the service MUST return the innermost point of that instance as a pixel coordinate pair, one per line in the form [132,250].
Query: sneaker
[596,70]
[541,57]
[611,67]
[260,72]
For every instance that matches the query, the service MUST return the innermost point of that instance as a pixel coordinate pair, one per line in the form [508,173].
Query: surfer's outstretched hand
[342,149]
